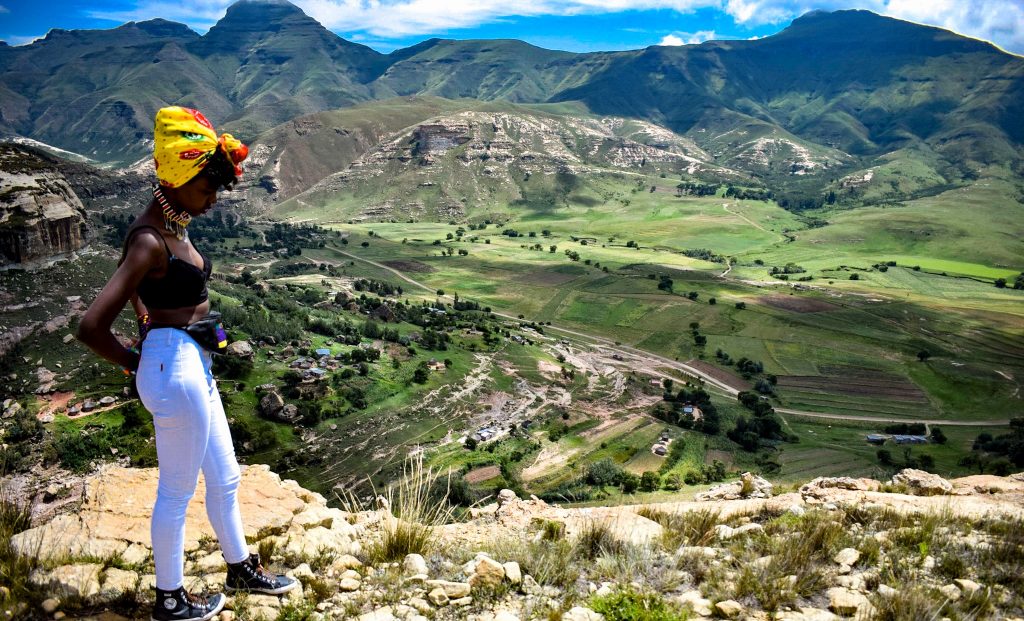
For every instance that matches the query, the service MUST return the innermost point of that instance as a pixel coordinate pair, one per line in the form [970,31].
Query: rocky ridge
[868,549]
[469,157]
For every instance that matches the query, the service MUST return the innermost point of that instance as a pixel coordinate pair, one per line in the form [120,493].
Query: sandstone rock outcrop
[41,217]
[921,483]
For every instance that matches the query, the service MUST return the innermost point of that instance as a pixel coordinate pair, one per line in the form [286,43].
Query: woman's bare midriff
[179,316]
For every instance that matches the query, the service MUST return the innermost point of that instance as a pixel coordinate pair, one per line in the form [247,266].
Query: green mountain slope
[826,97]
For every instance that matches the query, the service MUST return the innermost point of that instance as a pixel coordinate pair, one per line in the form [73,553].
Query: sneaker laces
[263,573]
[193,600]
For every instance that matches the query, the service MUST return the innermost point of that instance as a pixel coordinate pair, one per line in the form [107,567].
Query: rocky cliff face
[41,217]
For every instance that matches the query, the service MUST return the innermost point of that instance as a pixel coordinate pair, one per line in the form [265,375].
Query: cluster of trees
[909,460]
[376,286]
[294,237]
[764,426]
[671,408]
[698,339]
[213,228]
[1018,282]
[998,454]
[789,268]
[705,254]
[884,267]
[708,473]
[293,268]
[749,194]
[692,188]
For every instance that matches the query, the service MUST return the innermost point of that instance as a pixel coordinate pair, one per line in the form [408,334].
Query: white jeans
[177,387]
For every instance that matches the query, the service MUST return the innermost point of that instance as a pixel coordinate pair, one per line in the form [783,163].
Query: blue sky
[575,25]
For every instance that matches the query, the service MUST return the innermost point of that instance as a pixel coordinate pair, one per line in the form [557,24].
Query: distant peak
[262,12]
[163,28]
[279,5]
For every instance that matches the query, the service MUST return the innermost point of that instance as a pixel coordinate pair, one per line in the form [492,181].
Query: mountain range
[846,87]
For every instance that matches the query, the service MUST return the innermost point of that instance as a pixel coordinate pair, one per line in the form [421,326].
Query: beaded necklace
[174,221]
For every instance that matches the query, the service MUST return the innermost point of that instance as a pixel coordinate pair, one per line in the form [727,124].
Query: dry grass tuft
[416,513]
[690,528]
[15,517]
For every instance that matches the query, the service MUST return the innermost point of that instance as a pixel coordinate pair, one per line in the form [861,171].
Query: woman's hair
[219,170]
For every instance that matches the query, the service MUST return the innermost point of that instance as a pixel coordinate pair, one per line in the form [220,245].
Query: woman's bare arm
[144,252]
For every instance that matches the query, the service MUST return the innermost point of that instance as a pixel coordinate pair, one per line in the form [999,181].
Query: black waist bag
[209,333]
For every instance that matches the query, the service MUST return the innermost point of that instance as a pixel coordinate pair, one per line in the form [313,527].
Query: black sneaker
[249,576]
[180,605]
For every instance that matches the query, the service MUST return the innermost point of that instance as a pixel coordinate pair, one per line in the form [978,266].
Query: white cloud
[687,38]
[1000,21]
[21,40]
[4,9]
[200,14]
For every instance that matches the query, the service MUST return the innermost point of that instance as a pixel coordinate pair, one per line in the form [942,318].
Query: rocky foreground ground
[915,547]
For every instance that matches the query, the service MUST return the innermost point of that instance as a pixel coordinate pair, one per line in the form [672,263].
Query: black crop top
[182,286]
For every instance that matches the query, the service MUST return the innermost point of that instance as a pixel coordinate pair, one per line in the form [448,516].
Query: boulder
[289,413]
[454,590]
[724,532]
[349,584]
[438,597]
[921,483]
[381,614]
[271,404]
[506,496]
[487,574]
[117,583]
[513,573]
[967,587]
[579,613]
[816,486]
[242,349]
[847,556]
[749,486]
[696,602]
[70,580]
[414,564]
[845,602]
[729,609]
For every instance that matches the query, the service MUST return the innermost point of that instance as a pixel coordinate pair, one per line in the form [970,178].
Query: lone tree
[923,355]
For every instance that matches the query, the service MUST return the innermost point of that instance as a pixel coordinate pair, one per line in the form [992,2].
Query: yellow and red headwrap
[184,141]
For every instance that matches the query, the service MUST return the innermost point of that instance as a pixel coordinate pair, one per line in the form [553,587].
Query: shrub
[15,517]
[633,605]
[596,539]
[604,472]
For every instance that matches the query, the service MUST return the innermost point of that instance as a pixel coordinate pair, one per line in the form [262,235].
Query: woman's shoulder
[143,239]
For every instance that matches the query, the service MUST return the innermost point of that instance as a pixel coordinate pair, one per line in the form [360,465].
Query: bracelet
[133,350]
[143,322]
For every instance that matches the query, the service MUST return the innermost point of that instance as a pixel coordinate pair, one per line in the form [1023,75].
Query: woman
[165,278]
